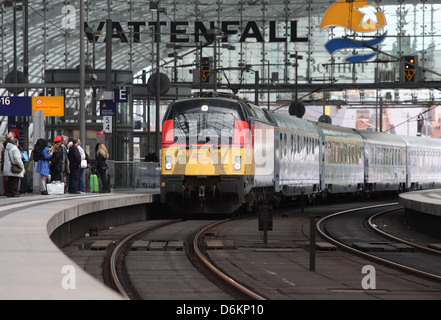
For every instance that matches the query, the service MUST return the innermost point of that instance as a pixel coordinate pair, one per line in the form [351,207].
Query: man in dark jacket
[151,156]
[74,167]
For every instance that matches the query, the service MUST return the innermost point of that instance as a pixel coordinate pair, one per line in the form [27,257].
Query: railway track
[354,231]
[129,269]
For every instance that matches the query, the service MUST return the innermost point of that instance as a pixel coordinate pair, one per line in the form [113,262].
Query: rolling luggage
[94,183]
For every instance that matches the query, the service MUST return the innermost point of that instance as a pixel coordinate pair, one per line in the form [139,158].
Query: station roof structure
[283,40]
[54,28]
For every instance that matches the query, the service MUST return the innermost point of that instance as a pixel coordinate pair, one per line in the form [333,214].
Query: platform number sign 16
[107,124]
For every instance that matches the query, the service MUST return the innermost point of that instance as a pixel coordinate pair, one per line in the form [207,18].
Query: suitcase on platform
[94,183]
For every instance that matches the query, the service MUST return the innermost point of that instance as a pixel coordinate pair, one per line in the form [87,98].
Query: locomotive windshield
[205,126]
[203,121]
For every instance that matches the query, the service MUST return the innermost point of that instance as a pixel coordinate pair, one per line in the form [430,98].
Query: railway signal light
[205,69]
[420,124]
[409,67]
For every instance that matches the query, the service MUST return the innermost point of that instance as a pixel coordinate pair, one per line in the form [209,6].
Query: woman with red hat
[56,161]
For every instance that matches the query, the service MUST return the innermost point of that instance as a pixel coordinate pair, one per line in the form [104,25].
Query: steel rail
[215,271]
[121,248]
[367,255]
[391,236]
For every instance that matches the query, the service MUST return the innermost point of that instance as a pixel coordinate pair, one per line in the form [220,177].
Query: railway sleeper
[382,247]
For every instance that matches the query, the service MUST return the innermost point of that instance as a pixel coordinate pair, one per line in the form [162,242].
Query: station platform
[426,201]
[423,210]
[32,266]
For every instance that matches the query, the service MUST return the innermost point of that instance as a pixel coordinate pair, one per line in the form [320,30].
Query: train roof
[294,124]
[341,133]
[382,138]
[421,142]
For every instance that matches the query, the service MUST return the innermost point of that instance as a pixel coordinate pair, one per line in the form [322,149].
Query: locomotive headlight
[168,162]
[237,163]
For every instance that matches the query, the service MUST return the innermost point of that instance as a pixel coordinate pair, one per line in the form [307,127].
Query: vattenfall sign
[195,32]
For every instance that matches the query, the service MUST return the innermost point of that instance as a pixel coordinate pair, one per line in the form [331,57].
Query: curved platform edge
[427,201]
[32,267]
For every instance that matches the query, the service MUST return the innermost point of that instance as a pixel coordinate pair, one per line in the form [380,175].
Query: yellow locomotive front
[207,155]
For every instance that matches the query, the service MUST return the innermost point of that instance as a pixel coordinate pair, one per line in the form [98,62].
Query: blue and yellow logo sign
[358,16]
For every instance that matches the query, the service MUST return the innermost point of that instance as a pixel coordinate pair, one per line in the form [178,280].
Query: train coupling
[202,192]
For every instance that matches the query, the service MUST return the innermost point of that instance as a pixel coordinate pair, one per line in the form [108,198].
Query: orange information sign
[51,106]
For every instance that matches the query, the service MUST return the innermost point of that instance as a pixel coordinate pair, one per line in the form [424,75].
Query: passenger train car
[221,153]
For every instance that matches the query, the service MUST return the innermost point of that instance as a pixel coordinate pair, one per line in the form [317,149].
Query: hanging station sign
[52,106]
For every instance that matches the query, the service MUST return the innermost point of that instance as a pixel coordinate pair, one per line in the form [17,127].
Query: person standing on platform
[11,135]
[101,166]
[4,178]
[56,162]
[65,167]
[43,155]
[151,156]
[13,156]
[74,166]
[81,183]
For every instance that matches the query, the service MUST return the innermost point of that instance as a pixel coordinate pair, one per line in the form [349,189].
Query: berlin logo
[359,16]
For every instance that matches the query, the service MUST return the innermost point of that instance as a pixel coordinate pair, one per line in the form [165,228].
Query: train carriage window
[280,146]
[351,155]
[307,144]
[340,153]
[326,151]
[298,143]
[292,145]
[294,141]
[355,148]
[376,156]
[345,154]
[285,144]
[305,140]
[355,154]
[334,153]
